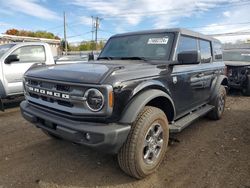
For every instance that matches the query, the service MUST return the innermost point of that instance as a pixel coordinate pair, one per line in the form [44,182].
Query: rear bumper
[105,137]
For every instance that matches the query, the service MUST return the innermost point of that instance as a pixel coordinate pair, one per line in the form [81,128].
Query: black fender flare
[139,102]
[221,80]
[150,84]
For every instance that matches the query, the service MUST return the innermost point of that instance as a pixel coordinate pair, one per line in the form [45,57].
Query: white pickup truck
[15,60]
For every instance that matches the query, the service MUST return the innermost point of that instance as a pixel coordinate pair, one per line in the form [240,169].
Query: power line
[53,28]
[105,31]
[73,36]
[73,31]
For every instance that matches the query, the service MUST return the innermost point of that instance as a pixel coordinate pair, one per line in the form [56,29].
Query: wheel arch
[151,97]
[221,80]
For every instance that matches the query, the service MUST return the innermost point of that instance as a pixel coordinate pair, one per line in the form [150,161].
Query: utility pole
[97,24]
[92,28]
[96,29]
[92,31]
[65,34]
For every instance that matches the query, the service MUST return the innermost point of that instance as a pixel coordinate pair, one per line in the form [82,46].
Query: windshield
[155,46]
[236,56]
[4,48]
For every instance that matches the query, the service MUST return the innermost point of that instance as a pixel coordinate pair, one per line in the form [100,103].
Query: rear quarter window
[206,51]
[217,48]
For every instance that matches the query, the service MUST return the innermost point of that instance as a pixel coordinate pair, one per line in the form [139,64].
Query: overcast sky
[206,16]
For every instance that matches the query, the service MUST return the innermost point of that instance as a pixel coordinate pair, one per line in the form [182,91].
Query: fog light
[87,136]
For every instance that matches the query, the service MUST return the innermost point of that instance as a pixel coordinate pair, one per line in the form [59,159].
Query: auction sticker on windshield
[158,40]
[245,54]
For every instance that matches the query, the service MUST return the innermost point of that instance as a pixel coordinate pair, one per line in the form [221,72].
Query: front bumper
[105,137]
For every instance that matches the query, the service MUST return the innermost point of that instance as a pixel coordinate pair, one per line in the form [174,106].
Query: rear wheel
[246,89]
[219,104]
[146,144]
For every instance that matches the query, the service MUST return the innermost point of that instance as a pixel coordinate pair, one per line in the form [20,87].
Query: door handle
[200,75]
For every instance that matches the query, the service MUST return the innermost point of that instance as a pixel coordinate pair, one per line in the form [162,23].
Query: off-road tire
[51,135]
[218,104]
[131,156]
[246,89]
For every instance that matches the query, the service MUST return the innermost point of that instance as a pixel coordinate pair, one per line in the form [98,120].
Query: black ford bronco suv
[144,86]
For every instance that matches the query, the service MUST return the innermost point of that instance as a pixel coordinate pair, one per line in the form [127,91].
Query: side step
[180,124]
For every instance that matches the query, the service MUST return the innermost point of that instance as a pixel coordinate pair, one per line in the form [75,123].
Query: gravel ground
[208,154]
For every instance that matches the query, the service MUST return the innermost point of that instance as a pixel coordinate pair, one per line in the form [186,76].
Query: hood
[77,72]
[96,72]
[237,63]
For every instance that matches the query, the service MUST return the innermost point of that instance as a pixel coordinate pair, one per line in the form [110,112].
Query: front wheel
[219,104]
[146,144]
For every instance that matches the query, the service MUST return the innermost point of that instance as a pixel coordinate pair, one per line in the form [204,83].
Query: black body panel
[127,86]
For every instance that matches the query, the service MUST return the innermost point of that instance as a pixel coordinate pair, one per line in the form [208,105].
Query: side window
[206,52]
[217,51]
[187,44]
[30,54]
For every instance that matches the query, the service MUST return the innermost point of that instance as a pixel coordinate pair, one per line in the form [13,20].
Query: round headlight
[94,99]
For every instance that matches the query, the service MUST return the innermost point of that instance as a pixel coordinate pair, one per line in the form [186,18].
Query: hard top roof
[175,30]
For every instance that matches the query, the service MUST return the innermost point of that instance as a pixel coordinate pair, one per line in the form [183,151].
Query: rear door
[191,83]
[207,69]
[13,72]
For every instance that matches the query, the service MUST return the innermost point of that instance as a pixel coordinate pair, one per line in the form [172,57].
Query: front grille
[51,92]
[64,98]
[60,87]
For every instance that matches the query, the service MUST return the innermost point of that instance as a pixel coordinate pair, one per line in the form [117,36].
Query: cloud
[29,7]
[170,13]
[227,13]
[86,20]
[231,21]
[232,39]
[162,13]
[3,24]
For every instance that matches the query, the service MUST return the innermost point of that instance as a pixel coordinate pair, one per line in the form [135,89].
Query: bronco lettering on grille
[49,93]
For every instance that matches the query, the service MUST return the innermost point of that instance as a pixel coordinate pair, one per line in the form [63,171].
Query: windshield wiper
[105,57]
[135,58]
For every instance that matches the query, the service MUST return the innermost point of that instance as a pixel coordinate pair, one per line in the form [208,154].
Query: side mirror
[91,56]
[11,58]
[189,57]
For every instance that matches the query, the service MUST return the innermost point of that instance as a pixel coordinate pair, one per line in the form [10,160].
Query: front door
[14,71]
